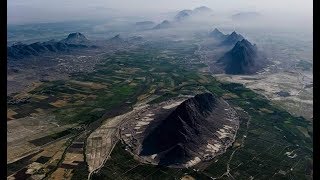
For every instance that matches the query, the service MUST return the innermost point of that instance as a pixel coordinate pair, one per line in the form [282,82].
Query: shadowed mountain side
[73,41]
[185,130]
[243,58]
[76,38]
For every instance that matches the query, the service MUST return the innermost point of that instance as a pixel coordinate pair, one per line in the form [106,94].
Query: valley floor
[62,114]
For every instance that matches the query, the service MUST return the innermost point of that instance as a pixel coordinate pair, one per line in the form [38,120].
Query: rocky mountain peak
[187,128]
[232,39]
[76,38]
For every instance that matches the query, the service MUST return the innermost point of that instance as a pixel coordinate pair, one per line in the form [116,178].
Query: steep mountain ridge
[202,10]
[232,39]
[72,42]
[76,38]
[243,58]
[185,130]
[216,33]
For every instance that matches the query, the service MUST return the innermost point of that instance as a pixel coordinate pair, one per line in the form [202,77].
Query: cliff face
[179,136]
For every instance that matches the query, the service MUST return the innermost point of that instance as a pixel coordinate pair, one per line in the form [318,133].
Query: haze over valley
[148,90]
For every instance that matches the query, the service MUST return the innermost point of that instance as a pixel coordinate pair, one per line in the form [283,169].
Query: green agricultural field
[109,86]
[123,166]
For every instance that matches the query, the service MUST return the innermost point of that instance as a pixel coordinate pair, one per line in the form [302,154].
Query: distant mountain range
[243,58]
[182,16]
[185,14]
[73,41]
[76,38]
[202,9]
[226,40]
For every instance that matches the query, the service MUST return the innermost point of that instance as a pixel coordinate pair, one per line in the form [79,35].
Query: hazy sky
[28,11]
